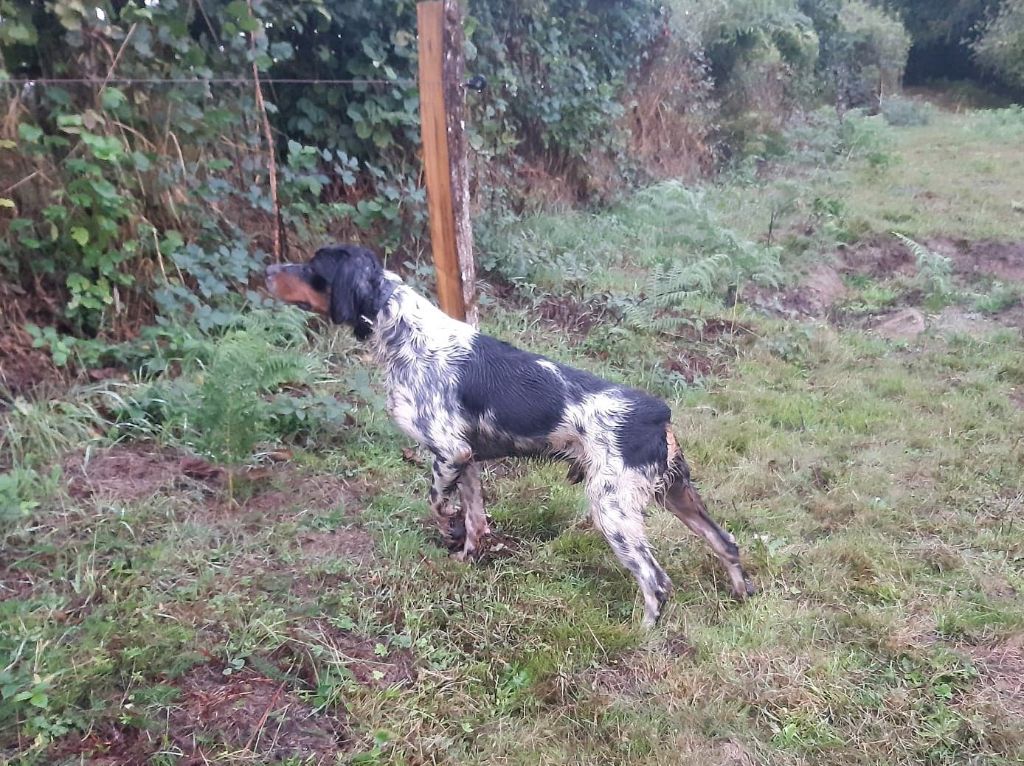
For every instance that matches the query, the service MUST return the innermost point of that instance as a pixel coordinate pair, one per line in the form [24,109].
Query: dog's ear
[355,277]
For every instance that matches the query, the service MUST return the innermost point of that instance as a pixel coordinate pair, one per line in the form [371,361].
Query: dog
[468,397]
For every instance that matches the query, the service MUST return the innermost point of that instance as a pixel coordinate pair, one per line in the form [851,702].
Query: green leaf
[282,51]
[113,98]
[141,161]
[80,235]
[29,133]
[249,24]
[172,241]
[5,202]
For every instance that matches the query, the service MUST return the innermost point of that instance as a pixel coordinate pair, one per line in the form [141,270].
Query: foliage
[225,392]
[769,59]
[947,23]
[935,269]
[130,197]
[719,261]
[762,55]
[871,55]
[1000,45]
[865,137]
[124,187]
[905,112]
[559,90]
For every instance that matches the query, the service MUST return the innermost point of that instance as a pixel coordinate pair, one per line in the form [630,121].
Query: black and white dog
[468,397]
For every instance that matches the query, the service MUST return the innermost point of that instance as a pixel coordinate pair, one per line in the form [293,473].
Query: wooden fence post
[442,71]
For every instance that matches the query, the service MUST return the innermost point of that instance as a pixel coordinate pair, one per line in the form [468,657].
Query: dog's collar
[386,291]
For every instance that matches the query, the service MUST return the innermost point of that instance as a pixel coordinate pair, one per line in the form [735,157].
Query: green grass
[875,489]
[958,176]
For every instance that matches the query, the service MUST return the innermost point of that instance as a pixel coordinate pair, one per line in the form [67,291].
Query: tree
[1000,47]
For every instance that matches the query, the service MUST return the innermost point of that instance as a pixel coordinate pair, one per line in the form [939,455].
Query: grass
[875,488]
[957,176]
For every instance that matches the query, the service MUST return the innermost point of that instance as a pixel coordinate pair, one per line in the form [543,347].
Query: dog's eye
[318,283]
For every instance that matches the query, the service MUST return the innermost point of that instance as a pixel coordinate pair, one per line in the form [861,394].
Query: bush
[905,112]
[133,199]
[1000,47]
[869,54]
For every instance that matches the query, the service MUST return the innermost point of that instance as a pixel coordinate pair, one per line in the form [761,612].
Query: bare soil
[370,661]
[574,317]
[245,710]
[633,675]
[107,744]
[708,350]
[23,368]
[349,543]
[885,256]
[813,297]
[125,473]
[1002,667]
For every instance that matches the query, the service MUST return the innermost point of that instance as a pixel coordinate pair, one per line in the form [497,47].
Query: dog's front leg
[446,473]
[471,494]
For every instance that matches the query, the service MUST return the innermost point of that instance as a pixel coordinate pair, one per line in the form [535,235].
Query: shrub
[870,53]
[905,112]
[1000,47]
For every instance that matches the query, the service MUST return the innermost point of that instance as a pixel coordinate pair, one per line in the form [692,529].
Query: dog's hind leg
[618,512]
[472,496]
[682,499]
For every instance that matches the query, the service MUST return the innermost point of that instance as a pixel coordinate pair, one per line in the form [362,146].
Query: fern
[232,412]
[721,259]
[935,268]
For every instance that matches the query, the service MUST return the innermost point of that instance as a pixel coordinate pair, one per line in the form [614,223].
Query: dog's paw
[748,589]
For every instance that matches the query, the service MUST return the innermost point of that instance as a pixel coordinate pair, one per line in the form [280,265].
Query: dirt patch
[710,349]
[123,473]
[885,256]
[694,367]
[286,489]
[249,712]
[22,367]
[349,543]
[983,258]
[1002,669]
[814,296]
[1012,317]
[135,471]
[956,321]
[633,674]
[25,369]
[577,318]
[905,324]
[370,660]
[732,753]
[108,744]
[878,257]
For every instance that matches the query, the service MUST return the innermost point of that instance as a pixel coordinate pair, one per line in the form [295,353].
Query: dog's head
[344,282]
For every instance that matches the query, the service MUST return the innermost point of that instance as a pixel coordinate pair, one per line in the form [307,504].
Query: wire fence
[199,81]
